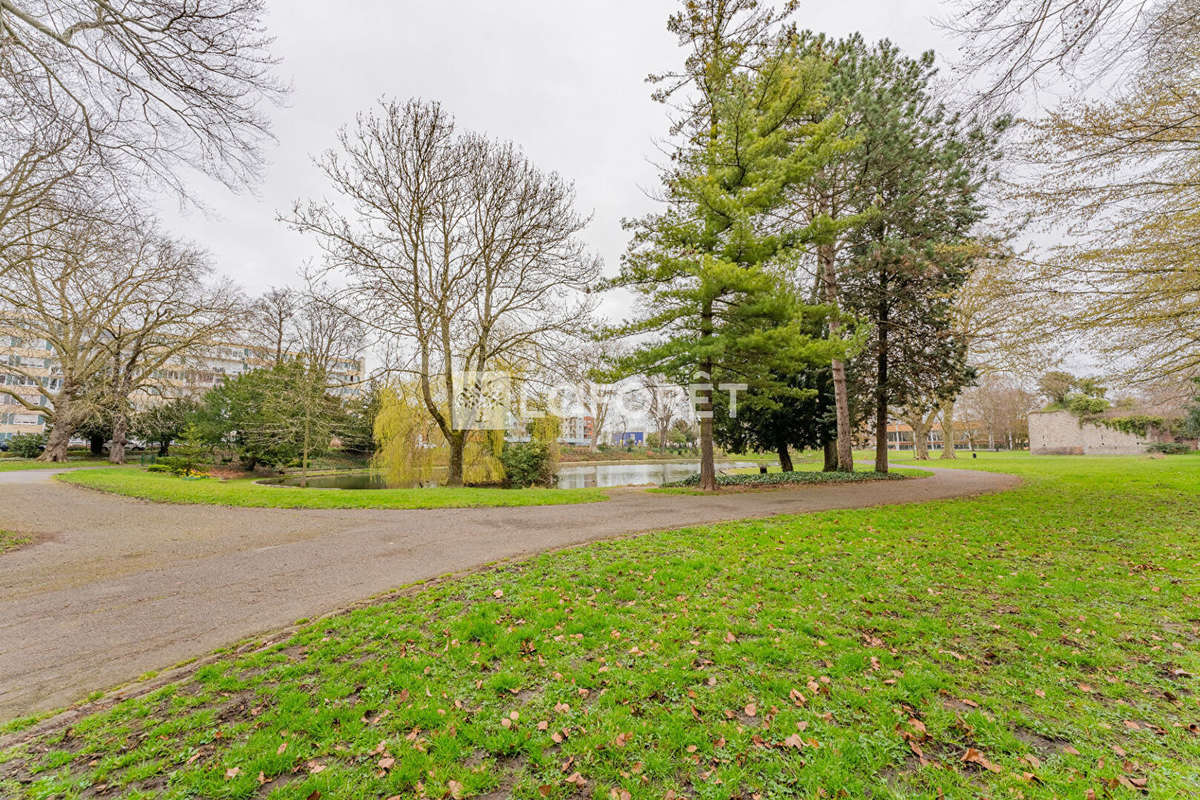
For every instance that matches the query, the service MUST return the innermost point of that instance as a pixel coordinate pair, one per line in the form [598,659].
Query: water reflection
[580,476]
[570,476]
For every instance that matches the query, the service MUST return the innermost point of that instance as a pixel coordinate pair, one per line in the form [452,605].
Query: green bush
[527,464]
[1170,448]
[1082,405]
[27,445]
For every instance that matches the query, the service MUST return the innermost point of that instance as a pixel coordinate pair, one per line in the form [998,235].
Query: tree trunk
[881,389]
[305,448]
[948,433]
[708,470]
[830,452]
[164,447]
[96,445]
[457,442]
[920,441]
[785,458]
[845,454]
[56,444]
[116,450]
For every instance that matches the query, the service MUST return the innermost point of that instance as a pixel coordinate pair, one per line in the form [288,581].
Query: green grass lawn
[1038,643]
[17,464]
[166,488]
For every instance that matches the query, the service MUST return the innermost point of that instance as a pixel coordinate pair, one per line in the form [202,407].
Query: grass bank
[1037,643]
[166,488]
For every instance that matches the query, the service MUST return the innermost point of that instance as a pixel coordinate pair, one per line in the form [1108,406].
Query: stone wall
[1062,433]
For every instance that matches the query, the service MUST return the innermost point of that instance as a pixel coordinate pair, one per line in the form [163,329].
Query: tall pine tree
[716,299]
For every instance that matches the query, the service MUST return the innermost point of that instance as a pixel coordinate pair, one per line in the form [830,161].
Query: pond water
[570,476]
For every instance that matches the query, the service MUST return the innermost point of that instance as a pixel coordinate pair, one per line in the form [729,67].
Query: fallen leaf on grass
[973,756]
[232,772]
[455,788]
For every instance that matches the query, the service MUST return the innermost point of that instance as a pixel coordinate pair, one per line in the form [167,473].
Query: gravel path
[114,587]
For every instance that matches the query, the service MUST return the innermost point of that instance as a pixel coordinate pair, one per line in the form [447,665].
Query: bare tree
[285,323]
[148,86]
[664,403]
[114,301]
[1018,44]
[325,335]
[271,324]
[172,317]
[1001,406]
[454,250]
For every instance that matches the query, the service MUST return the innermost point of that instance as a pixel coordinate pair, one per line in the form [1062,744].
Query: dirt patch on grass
[1041,744]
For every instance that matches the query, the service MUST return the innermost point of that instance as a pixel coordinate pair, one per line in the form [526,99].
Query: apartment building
[36,359]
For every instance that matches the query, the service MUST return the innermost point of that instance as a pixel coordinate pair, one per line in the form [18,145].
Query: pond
[570,476]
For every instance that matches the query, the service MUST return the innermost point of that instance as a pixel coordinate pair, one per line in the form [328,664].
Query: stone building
[1062,433]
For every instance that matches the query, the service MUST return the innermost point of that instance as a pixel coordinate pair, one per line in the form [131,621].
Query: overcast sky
[565,80]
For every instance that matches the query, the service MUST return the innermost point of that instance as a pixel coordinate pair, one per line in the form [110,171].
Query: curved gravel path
[114,587]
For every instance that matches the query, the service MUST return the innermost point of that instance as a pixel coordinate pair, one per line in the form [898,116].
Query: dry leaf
[973,756]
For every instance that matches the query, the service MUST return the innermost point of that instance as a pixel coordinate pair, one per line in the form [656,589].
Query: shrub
[1170,448]
[27,445]
[1082,405]
[191,455]
[527,464]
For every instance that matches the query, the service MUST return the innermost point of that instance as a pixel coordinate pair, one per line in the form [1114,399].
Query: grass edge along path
[11,464]
[1037,643]
[166,488]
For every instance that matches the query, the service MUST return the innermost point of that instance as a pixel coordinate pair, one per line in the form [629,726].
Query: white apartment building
[37,361]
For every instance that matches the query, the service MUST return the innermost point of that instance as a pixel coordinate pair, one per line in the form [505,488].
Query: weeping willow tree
[412,450]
